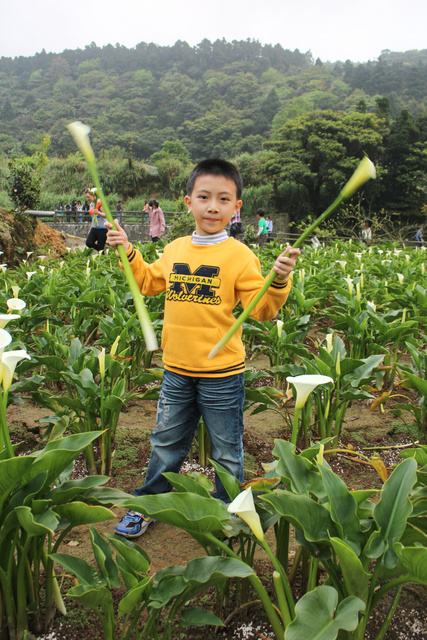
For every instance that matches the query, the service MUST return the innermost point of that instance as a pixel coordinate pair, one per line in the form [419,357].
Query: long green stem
[286,586]
[281,598]
[295,426]
[385,625]
[141,309]
[258,586]
[269,281]
[4,431]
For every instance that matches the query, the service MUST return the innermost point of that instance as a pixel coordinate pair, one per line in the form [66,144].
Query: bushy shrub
[24,186]
[255,198]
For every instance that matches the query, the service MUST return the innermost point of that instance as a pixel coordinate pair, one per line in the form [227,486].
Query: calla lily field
[351,334]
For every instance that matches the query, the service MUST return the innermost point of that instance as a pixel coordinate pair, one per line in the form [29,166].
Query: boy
[204,276]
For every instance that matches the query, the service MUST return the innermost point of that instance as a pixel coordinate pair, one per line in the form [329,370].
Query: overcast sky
[331,29]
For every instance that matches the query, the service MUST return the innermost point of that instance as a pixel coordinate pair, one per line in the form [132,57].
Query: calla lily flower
[16,304]
[280,324]
[80,133]
[372,305]
[29,253]
[342,263]
[329,338]
[304,385]
[7,317]
[114,346]
[5,339]
[29,274]
[400,277]
[42,267]
[15,291]
[3,267]
[244,507]
[8,363]
[101,359]
[349,281]
[364,172]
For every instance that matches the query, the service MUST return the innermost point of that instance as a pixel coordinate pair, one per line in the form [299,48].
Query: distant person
[97,235]
[157,221]
[67,212]
[59,210]
[119,211]
[145,217]
[74,210]
[236,224]
[269,223]
[418,238]
[80,210]
[262,228]
[366,232]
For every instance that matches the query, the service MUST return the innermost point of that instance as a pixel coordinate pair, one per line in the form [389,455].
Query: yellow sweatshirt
[203,284]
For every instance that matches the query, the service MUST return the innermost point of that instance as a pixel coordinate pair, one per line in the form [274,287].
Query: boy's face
[213,202]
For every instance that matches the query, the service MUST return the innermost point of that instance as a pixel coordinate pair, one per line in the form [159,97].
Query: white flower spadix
[244,507]
[304,385]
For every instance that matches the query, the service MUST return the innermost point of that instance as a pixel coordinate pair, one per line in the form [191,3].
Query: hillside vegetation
[295,127]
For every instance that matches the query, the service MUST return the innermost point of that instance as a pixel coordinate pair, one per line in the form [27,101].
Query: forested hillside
[220,98]
[295,127]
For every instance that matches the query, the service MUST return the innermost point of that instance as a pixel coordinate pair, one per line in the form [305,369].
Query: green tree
[316,153]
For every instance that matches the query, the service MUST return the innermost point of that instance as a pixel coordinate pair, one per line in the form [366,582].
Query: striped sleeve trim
[239,368]
[131,253]
[279,285]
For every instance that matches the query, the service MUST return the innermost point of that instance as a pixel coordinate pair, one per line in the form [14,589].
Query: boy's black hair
[216,167]
[260,212]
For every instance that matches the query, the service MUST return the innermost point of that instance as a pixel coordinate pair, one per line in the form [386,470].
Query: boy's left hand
[286,262]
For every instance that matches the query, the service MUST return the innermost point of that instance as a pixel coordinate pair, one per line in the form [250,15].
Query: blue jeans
[183,400]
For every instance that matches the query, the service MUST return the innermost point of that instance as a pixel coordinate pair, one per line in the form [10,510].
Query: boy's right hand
[117,236]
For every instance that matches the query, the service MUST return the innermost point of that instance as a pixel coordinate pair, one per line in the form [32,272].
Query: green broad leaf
[186,484]
[195,616]
[308,516]
[319,618]
[201,570]
[202,480]
[363,374]
[229,482]
[11,472]
[415,561]
[112,403]
[134,555]
[130,580]
[356,580]
[186,511]
[83,571]
[57,455]
[343,508]
[75,349]
[104,559]
[37,525]
[74,488]
[392,512]
[419,453]
[106,495]
[300,472]
[92,597]
[78,513]
[418,383]
[134,596]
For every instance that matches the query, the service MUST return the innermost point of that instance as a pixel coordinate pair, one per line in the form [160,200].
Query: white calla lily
[244,507]
[5,339]
[280,324]
[400,277]
[342,263]
[3,267]
[364,172]
[7,317]
[80,133]
[329,338]
[9,361]
[349,282]
[371,305]
[30,274]
[15,304]
[304,385]
[15,290]
[101,360]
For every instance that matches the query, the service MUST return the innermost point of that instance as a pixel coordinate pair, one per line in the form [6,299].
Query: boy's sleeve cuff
[279,284]
[130,253]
